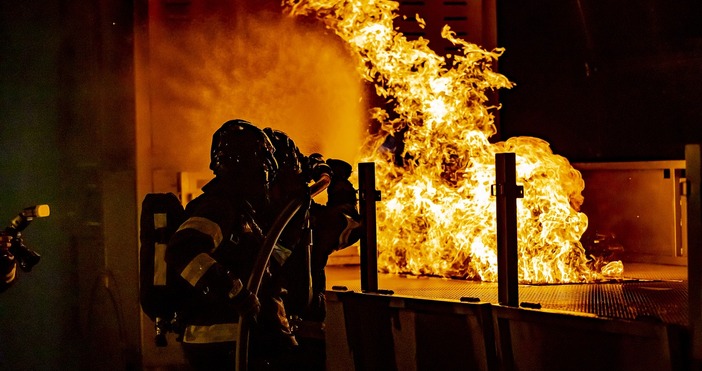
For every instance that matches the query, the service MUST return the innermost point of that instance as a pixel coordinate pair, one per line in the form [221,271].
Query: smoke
[266,68]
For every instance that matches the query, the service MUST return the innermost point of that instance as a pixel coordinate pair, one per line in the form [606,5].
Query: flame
[437,216]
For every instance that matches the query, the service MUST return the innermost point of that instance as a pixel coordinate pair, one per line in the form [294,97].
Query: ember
[438,216]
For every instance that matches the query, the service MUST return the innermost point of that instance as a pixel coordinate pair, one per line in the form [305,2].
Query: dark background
[67,140]
[603,80]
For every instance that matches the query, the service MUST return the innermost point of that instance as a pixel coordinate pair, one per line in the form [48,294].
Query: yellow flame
[437,216]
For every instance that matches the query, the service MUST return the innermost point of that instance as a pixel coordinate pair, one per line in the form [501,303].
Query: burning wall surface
[435,163]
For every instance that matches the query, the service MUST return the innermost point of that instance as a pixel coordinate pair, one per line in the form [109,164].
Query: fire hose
[264,255]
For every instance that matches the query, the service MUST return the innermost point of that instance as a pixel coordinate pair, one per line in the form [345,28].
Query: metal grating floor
[649,292]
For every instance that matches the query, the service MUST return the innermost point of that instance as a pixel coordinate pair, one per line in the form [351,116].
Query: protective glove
[243,300]
[341,191]
[7,266]
[317,167]
[342,169]
[5,241]
[8,263]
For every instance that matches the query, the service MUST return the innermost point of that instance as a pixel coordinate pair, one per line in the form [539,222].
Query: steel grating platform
[648,292]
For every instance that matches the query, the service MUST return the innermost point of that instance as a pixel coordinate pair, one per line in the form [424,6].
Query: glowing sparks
[437,216]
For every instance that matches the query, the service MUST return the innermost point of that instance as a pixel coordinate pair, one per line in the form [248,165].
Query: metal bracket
[499,190]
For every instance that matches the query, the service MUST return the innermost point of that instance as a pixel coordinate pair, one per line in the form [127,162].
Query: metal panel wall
[385,332]
[638,205]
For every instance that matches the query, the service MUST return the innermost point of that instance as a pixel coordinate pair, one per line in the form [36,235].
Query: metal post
[693,173]
[507,191]
[368,195]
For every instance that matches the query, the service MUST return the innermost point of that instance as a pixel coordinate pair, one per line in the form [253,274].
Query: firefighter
[290,262]
[335,226]
[215,248]
[313,234]
[291,182]
[8,263]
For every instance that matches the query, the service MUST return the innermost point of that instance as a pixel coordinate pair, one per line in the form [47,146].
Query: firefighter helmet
[242,150]
[286,152]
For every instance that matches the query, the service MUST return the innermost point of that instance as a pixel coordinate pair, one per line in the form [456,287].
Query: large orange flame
[437,216]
